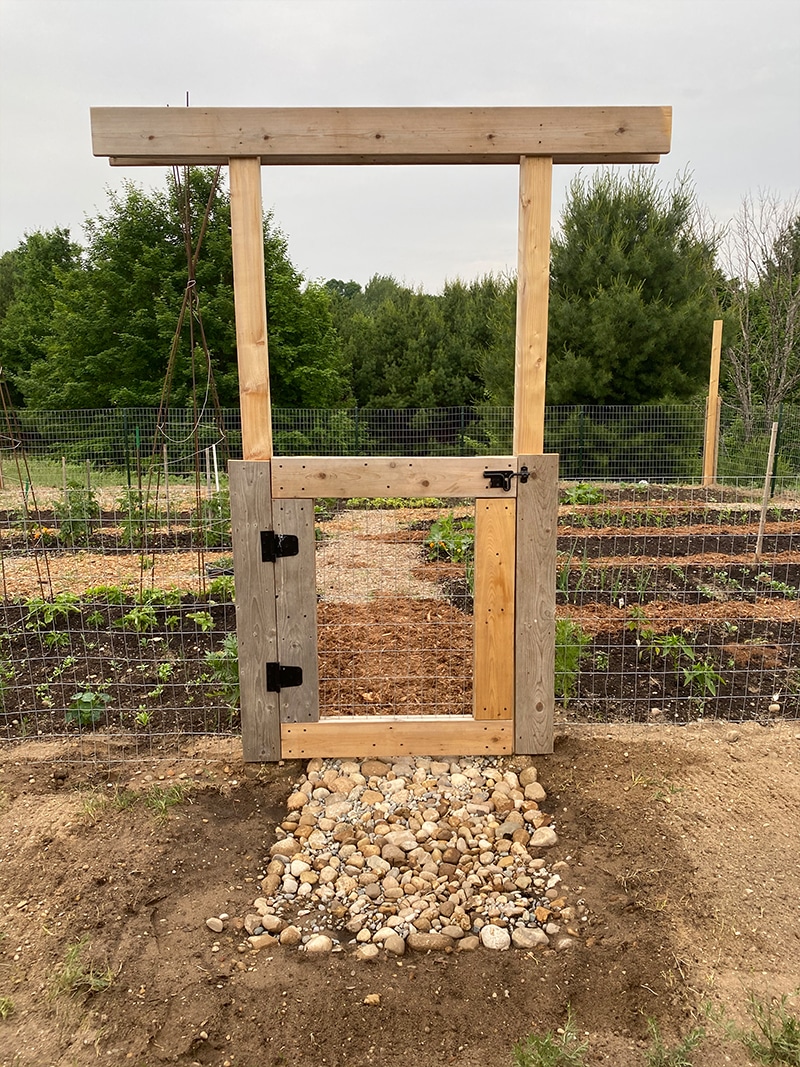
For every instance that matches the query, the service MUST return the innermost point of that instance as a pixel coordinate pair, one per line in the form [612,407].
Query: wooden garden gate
[272,499]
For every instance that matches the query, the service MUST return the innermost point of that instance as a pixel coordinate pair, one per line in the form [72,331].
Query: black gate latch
[502,479]
[279,677]
[275,545]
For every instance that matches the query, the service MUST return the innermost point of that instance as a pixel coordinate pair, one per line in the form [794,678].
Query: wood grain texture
[250,302]
[533,289]
[713,405]
[537,516]
[164,136]
[296,609]
[444,735]
[343,477]
[251,512]
[493,674]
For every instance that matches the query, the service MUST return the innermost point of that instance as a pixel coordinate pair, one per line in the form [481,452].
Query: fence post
[777,450]
[711,447]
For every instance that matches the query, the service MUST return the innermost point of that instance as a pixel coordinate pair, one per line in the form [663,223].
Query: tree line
[636,282]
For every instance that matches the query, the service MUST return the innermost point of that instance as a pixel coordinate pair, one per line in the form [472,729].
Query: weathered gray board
[275,609]
[537,518]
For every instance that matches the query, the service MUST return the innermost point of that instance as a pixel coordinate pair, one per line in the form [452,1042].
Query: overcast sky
[729,68]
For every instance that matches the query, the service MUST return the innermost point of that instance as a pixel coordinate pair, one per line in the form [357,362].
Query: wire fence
[117,619]
[660,443]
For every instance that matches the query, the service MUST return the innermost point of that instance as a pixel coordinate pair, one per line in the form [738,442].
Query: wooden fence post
[711,447]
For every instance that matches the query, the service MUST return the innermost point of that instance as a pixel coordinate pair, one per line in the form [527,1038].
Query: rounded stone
[528,937]
[495,937]
[319,945]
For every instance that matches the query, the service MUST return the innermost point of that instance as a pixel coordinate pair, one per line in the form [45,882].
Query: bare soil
[681,841]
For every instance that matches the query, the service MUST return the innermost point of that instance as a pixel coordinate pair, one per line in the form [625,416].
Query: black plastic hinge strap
[274,546]
[279,677]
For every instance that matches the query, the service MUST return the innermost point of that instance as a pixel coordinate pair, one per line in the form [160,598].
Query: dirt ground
[682,842]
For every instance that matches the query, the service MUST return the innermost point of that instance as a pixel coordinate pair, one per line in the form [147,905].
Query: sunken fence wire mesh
[118,615]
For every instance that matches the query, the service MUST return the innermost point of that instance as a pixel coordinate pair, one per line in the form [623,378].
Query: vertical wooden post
[493,674]
[250,302]
[537,515]
[256,620]
[533,284]
[166,488]
[711,447]
[773,437]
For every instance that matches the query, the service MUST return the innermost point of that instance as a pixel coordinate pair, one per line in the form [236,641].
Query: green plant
[673,646]
[43,612]
[701,675]
[56,639]
[452,538]
[582,493]
[202,619]
[224,664]
[142,718]
[164,671]
[780,587]
[86,708]
[109,594]
[571,644]
[658,1055]
[77,513]
[76,977]
[141,617]
[160,800]
[6,1008]
[172,622]
[562,1049]
[601,661]
[222,588]
[95,618]
[393,502]
[776,1039]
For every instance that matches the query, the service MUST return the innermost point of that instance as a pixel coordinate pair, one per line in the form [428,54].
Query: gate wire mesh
[118,622]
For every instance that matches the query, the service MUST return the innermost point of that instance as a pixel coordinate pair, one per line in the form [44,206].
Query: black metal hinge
[502,479]
[273,546]
[279,677]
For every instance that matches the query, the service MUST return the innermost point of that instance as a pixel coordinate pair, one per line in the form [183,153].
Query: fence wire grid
[118,608]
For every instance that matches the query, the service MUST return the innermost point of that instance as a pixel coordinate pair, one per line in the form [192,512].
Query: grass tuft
[658,1055]
[776,1039]
[77,977]
[562,1049]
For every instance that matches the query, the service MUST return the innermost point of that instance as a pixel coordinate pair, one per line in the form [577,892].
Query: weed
[562,1049]
[202,620]
[6,1008]
[582,493]
[86,708]
[160,800]
[571,643]
[224,664]
[776,1039]
[76,977]
[658,1055]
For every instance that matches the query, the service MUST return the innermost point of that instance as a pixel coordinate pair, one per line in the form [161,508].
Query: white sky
[729,68]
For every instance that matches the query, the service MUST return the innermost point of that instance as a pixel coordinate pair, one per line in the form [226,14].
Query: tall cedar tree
[632,293]
[109,334]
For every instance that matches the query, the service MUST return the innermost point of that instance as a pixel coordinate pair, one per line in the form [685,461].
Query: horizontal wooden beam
[424,735]
[342,477]
[133,136]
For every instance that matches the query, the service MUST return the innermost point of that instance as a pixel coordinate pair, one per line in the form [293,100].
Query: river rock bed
[415,853]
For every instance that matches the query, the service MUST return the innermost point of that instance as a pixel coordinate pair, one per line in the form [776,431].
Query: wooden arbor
[272,499]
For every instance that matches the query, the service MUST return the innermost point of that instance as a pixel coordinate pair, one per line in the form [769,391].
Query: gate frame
[272,601]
